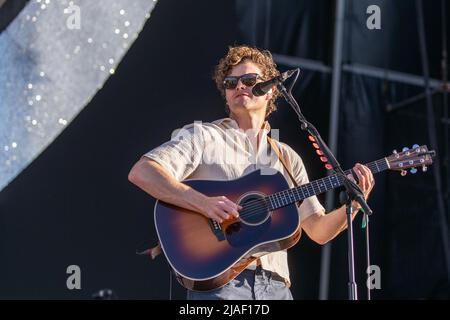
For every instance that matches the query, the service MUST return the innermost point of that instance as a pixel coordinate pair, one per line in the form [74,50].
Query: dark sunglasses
[248,79]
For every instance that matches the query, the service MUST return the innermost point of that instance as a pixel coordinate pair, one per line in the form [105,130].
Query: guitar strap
[277,150]
[282,159]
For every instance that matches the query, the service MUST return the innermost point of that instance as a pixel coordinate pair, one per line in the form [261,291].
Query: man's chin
[243,107]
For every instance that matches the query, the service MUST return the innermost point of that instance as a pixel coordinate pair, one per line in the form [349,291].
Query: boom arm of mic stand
[353,190]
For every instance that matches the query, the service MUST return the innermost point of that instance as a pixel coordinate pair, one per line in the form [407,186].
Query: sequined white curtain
[54,57]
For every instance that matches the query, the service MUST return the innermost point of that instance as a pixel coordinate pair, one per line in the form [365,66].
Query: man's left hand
[365,178]
[365,182]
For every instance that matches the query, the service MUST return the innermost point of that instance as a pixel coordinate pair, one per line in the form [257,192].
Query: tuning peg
[405,149]
[315,145]
[415,146]
[424,168]
[413,170]
[324,159]
[311,138]
[403,173]
[328,166]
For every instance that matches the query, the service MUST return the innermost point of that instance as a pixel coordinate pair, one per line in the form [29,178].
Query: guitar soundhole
[255,210]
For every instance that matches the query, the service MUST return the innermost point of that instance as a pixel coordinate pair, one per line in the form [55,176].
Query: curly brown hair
[238,54]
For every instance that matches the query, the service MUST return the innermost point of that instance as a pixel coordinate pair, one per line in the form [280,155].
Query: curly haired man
[206,154]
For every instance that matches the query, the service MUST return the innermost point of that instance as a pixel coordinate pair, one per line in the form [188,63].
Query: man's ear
[269,94]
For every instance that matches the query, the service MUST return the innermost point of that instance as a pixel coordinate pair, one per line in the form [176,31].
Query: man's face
[240,99]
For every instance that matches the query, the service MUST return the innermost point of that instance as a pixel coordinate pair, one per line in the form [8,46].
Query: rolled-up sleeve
[182,154]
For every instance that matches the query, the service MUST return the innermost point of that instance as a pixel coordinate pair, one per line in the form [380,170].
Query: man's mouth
[242,94]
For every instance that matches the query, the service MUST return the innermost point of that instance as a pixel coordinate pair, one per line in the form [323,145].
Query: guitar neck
[289,196]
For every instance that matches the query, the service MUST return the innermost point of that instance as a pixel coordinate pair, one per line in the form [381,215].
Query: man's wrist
[356,206]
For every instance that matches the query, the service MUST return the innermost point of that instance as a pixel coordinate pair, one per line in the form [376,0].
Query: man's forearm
[330,225]
[153,179]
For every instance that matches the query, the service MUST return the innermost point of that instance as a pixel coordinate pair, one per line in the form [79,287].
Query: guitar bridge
[216,229]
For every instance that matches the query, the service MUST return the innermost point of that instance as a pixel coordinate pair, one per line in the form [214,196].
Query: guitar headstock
[417,156]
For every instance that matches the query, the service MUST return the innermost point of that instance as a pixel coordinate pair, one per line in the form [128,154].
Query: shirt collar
[231,123]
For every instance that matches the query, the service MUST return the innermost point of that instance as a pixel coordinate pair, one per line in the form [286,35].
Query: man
[204,153]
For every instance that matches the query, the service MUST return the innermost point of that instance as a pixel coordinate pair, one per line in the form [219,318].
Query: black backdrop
[74,205]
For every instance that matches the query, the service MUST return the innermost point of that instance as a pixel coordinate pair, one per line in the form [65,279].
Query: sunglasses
[248,79]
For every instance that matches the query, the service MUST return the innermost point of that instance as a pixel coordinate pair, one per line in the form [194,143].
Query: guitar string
[255,207]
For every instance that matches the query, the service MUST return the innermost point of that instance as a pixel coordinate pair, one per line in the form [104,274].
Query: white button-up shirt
[220,150]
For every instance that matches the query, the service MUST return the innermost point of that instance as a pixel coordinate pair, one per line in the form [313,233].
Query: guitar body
[205,255]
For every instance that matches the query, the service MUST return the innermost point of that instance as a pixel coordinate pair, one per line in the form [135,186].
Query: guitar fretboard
[286,197]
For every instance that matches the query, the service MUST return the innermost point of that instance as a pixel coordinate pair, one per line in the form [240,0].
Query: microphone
[262,88]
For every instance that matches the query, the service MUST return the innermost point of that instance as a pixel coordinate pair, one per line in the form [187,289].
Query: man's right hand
[220,208]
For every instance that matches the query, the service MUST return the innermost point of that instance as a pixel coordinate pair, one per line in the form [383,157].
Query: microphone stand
[352,190]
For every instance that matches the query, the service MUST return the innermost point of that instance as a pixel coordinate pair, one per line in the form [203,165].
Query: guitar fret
[280,199]
[312,187]
[276,199]
[321,184]
[308,190]
[331,181]
[303,193]
[318,186]
[286,197]
[283,197]
[384,164]
[294,196]
[270,201]
[315,187]
[324,181]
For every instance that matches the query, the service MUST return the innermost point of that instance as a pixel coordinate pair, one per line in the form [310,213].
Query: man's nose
[240,85]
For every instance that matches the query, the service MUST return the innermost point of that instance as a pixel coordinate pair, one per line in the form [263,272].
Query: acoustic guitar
[206,255]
